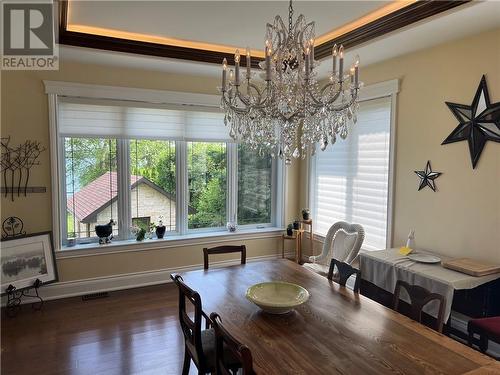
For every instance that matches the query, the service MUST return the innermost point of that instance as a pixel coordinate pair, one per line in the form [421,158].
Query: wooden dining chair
[419,297]
[344,272]
[224,250]
[199,345]
[226,343]
[488,329]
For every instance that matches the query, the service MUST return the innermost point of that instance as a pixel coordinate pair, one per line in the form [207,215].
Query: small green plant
[141,234]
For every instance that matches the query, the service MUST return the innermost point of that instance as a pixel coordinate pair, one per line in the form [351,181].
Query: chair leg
[187,363]
[470,339]
[483,343]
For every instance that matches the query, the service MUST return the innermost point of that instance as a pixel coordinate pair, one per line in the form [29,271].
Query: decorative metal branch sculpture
[19,160]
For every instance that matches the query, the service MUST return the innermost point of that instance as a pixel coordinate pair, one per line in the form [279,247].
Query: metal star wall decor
[478,123]
[427,177]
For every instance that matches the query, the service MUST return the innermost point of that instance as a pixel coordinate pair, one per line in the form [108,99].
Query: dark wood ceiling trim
[403,17]
[146,48]
[63,15]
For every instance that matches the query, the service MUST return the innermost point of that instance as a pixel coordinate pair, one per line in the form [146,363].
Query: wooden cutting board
[471,267]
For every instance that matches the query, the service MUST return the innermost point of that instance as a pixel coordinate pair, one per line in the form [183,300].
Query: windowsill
[167,242]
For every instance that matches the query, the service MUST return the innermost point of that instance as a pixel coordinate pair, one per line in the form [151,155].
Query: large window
[350,179]
[139,164]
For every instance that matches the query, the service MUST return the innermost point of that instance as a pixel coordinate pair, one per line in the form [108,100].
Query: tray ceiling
[226,23]
[432,31]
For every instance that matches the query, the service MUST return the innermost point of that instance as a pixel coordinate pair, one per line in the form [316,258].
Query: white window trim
[53,89]
[378,90]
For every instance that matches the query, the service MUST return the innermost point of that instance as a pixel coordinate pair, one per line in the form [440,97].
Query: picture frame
[27,258]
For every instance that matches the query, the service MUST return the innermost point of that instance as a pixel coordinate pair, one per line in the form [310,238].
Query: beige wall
[463,217]
[24,116]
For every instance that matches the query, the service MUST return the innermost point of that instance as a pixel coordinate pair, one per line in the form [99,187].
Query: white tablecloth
[383,268]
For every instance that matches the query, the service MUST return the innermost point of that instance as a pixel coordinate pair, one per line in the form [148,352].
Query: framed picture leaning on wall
[27,258]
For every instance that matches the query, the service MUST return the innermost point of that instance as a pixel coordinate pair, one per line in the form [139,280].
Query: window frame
[379,90]
[55,90]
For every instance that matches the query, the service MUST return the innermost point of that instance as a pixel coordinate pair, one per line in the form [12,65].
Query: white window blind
[120,119]
[350,179]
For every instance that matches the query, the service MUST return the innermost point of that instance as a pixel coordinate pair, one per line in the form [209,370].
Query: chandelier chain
[290,15]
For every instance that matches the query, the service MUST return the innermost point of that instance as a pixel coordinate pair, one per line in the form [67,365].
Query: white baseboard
[459,321]
[75,288]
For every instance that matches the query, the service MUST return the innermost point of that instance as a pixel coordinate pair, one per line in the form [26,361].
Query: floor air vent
[91,296]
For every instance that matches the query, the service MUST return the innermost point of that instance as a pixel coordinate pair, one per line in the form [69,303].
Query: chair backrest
[345,271]
[419,297]
[342,242]
[224,250]
[191,329]
[225,342]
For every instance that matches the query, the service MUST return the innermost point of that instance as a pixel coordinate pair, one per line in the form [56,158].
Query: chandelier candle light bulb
[237,68]
[249,63]
[224,72]
[288,113]
[356,72]
[268,62]
[307,62]
[311,47]
[334,65]
[341,63]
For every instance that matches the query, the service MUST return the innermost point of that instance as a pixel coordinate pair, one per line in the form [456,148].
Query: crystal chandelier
[288,112]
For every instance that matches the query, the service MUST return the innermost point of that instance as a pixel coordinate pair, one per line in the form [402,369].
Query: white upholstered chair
[342,242]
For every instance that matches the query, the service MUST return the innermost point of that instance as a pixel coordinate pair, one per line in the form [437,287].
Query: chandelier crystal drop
[287,112]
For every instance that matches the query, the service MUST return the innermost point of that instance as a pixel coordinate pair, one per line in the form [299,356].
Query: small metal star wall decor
[427,177]
[478,122]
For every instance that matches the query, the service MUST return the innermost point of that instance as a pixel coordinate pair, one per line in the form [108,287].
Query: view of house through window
[152,179]
[91,185]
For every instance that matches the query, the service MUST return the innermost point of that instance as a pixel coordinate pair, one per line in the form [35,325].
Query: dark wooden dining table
[335,332]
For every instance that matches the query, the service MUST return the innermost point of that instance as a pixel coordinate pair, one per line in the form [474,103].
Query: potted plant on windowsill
[138,232]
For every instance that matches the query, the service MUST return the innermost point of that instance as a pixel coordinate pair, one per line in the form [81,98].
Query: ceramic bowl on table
[277,297]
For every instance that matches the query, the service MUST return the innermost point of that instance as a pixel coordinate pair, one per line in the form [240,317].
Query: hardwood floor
[130,332]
